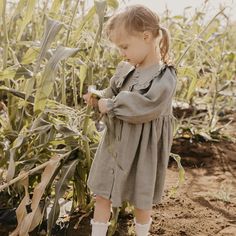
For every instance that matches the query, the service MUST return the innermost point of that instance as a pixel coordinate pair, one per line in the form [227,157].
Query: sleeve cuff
[110,107]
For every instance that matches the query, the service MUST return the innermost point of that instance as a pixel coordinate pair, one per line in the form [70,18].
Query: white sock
[142,230]
[99,228]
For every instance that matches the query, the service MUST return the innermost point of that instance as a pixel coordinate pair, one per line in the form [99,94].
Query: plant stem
[89,108]
[214,102]
[5,35]
[66,44]
[75,96]
[71,22]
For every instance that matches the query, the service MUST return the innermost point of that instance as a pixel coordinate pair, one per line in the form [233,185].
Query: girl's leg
[142,221]
[102,209]
[100,221]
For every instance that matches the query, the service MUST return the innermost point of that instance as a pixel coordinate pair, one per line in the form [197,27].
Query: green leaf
[27,17]
[45,86]
[113,3]
[192,88]
[30,56]
[19,9]
[55,6]
[190,73]
[67,173]
[181,179]
[9,73]
[114,221]
[82,77]
[87,18]
[1,8]
[23,71]
[16,144]
[51,30]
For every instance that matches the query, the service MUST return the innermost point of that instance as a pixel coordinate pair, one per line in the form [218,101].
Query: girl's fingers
[94,102]
[90,100]
[87,96]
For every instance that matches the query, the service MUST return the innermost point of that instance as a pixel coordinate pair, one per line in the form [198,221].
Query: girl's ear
[147,36]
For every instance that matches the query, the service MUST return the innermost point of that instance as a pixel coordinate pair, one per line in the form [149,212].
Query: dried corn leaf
[21,210]
[181,179]
[32,219]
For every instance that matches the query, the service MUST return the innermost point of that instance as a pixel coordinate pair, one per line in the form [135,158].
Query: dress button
[112,171]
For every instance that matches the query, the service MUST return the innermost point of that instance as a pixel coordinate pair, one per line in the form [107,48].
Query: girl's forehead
[120,36]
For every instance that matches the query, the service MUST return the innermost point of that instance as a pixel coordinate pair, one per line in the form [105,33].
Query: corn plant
[204,54]
[44,135]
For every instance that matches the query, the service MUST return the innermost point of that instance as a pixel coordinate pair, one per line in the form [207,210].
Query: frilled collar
[140,75]
[123,70]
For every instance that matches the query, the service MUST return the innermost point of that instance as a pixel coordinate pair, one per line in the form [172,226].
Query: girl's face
[134,48]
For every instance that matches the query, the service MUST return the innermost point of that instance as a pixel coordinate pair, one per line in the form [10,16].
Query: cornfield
[50,51]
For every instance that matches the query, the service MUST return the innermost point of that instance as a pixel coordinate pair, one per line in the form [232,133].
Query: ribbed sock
[142,230]
[99,228]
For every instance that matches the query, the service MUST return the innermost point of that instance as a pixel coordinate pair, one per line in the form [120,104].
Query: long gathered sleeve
[134,107]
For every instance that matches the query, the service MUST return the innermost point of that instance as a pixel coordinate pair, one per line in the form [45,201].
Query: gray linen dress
[131,160]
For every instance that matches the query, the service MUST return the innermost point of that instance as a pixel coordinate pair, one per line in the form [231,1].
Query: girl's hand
[90,100]
[102,105]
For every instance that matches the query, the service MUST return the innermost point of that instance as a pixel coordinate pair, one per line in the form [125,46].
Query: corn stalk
[100,6]
[63,87]
[5,34]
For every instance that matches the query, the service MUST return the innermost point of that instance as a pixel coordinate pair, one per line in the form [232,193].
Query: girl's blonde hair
[138,18]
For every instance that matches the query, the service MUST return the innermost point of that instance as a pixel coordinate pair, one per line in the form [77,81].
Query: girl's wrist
[105,105]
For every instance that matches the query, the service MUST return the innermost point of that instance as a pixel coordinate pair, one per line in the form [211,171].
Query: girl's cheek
[122,53]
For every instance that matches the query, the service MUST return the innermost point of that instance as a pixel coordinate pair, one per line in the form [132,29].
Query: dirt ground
[205,205]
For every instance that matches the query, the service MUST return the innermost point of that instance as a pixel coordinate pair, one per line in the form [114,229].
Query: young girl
[131,160]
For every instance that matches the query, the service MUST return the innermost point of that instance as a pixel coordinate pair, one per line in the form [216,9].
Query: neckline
[148,68]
